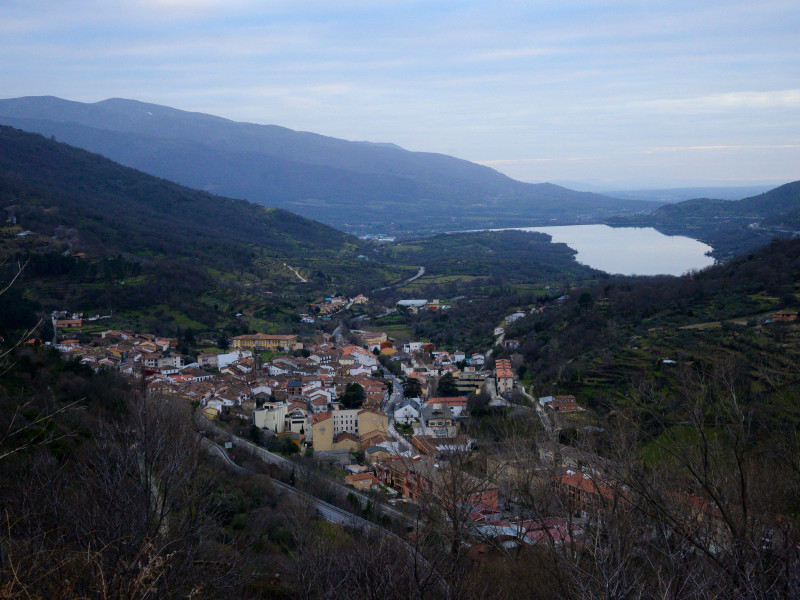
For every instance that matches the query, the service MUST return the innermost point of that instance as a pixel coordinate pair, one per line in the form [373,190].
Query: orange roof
[320,417]
[355,477]
[374,412]
[448,401]
[359,476]
[586,484]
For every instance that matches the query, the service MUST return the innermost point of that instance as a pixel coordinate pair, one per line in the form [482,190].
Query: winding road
[288,466]
[419,274]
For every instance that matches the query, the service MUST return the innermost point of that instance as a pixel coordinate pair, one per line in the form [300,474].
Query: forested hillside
[605,342]
[99,236]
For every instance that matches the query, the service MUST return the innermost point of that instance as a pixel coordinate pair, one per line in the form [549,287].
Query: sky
[600,95]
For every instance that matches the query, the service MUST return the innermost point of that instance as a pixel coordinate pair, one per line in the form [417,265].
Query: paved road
[497,342]
[419,274]
[288,466]
[334,514]
[217,450]
[541,412]
[327,511]
[389,406]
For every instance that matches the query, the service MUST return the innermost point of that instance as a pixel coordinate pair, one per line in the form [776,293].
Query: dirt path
[293,270]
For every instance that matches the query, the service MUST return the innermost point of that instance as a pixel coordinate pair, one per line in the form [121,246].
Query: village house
[560,404]
[785,316]
[68,323]
[407,411]
[456,404]
[328,428]
[438,421]
[430,480]
[207,360]
[362,481]
[584,494]
[432,446]
[514,317]
[504,376]
[296,419]
[410,347]
[373,438]
[164,362]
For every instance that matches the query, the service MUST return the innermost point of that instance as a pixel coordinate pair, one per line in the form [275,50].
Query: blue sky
[619,94]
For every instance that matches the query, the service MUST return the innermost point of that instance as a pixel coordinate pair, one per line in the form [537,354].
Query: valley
[464,402]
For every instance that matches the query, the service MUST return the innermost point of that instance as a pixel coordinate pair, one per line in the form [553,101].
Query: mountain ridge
[729,226]
[314,175]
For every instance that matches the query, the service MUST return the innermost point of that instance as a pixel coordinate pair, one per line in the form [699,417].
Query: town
[392,416]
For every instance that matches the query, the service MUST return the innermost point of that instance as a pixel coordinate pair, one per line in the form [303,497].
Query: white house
[261,389]
[296,421]
[360,370]
[407,411]
[223,360]
[366,359]
[413,303]
[271,417]
[412,347]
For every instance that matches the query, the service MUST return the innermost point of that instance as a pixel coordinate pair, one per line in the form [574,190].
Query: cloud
[724,102]
[524,161]
[723,147]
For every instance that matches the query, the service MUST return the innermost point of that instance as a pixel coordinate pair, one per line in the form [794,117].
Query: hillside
[171,244]
[609,342]
[729,226]
[358,186]
[671,195]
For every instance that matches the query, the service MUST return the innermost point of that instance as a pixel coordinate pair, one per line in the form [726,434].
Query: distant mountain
[360,186]
[729,226]
[769,205]
[671,195]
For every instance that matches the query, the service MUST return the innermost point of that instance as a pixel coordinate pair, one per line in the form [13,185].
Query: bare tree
[129,517]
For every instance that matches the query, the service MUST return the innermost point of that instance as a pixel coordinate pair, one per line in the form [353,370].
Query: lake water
[630,250]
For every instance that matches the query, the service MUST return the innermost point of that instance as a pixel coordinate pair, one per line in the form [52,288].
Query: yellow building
[342,429]
[469,383]
[262,341]
[325,438]
[369,421]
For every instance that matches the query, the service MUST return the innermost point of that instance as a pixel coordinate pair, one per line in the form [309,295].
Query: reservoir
[630,250]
